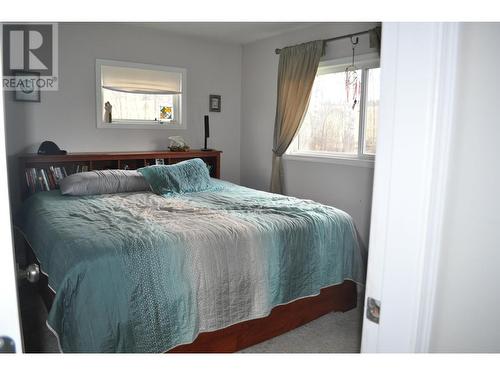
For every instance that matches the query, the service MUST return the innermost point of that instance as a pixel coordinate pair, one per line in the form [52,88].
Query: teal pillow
[185,177]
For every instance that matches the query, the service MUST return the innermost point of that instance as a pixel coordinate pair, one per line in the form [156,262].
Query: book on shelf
[45,182]
[81,168]
[44,179]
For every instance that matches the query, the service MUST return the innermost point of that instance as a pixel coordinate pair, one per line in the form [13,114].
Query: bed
[140,272]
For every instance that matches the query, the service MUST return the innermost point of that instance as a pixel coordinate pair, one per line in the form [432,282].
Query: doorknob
[7,345]
[30,273]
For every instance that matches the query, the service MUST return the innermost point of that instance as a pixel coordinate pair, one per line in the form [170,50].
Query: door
[10,333]
[418,66]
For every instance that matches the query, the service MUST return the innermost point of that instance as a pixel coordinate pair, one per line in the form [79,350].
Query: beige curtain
[296,71]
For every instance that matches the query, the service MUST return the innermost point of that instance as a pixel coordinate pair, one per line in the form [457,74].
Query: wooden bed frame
[282,318]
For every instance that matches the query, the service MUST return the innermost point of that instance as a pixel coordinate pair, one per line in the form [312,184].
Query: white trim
[142,125]
[381,185]
[443,120]
[330,159]
[419,62]
[139,124]
[362,113]
[10,322]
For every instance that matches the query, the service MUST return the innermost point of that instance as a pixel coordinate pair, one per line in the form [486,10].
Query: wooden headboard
[44,168]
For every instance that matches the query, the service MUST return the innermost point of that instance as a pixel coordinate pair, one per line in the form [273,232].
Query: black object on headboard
[207,134]
[50,148]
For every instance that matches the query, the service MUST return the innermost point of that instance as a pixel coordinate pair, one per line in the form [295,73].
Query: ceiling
[229,32]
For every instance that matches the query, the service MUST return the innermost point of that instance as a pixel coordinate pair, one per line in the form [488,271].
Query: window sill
[139,125]
[331,159]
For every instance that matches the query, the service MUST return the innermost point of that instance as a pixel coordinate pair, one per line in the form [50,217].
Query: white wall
[467,310]
[346,187]
[68,116]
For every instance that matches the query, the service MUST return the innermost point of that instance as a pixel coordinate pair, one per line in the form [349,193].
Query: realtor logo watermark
[30,56]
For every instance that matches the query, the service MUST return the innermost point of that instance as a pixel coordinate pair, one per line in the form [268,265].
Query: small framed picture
[26,88]
[215,103]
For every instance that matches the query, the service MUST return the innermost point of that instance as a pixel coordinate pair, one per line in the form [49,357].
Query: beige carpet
[332,333]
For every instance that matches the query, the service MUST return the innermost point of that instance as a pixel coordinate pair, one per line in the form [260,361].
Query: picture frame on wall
[215,103]
[27,90]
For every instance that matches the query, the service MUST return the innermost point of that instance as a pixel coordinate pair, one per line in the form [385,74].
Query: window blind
[140,81]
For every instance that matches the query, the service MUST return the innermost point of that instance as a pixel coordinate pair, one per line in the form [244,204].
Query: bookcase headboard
[42,172]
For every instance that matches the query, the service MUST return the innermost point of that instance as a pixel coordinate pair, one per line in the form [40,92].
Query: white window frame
[363,62]
[139,124]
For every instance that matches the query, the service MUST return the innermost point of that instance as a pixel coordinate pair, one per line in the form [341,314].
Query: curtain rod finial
[277,51]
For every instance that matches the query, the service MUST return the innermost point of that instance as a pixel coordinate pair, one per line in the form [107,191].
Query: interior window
[335,125]
[139,96]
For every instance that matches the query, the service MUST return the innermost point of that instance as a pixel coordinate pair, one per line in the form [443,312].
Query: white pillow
[107,181]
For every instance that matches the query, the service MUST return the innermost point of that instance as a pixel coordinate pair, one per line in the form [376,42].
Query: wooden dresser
[88,161]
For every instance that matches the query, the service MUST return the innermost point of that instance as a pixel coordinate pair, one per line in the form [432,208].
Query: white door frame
[418,70]
[9,309]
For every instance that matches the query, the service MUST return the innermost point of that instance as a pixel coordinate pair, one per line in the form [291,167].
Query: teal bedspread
[138,272]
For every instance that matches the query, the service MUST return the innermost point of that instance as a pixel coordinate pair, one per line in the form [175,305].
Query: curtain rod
[278,50]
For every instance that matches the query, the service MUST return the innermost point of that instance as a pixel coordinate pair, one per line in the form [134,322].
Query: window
[140,96]
[332,126]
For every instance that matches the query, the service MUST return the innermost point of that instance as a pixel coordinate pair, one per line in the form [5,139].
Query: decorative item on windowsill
[107,112]
[166,113]
[352,82]
[177,143]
